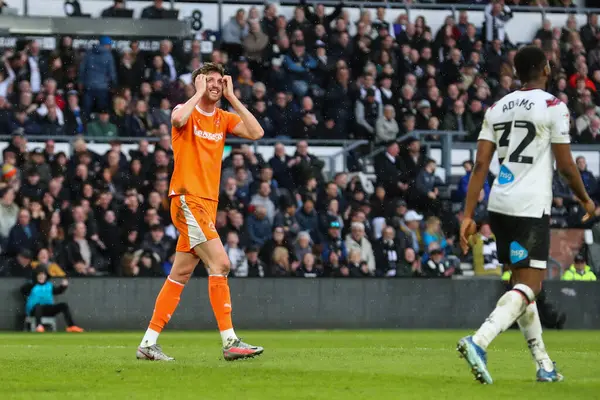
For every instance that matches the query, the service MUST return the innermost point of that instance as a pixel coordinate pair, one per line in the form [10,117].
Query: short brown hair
[206,69]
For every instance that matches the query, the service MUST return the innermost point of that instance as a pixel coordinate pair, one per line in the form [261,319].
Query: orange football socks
[220,300]
[166,303]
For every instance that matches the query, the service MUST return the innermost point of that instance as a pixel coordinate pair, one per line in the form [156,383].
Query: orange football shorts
[194,217]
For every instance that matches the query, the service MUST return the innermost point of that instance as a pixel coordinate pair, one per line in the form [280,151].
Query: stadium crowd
[316,75]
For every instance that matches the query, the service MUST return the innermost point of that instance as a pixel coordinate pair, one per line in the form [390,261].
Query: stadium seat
[29,324]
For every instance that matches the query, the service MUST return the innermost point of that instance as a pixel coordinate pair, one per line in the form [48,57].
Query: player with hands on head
[198,139]
[528,129]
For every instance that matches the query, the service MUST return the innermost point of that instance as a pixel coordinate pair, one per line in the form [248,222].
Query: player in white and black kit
[529,129]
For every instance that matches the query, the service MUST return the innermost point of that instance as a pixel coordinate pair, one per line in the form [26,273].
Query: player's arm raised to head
[486,146]
[181,113]
[248,128]
[561,147]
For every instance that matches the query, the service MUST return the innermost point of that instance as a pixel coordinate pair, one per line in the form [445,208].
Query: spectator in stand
[591,135]
[334,243]
[464,182]
[81,255]
[262,199]
[308,219]
[410,265]
[300,67]
[356,240]
[23,235]
[155,11]
[436,266]
[589,181]
[259,228]
[277,240]
[559,214]
[589,32]
[97,75]
[158,243]
[233,33]
[255,45]
[391,171]
[280,263]
[426,186]
[409,234]
[286,218]
[102,127]
[367,112]
[237,257]
[255,267]
[19,266]
[388,253]
[579,271]
[497,14]
[357,267]
[485,252]
[307,165]
[8,214]
[307,268]
[433,234]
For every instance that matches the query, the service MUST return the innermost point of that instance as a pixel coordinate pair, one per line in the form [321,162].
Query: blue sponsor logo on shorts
[505,176]
[517,253]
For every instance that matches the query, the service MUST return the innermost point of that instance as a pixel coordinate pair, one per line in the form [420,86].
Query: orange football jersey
[198,152]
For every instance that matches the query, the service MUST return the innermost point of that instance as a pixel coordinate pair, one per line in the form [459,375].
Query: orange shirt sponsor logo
[198,152]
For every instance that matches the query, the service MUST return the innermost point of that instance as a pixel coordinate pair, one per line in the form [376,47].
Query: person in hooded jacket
[39,294]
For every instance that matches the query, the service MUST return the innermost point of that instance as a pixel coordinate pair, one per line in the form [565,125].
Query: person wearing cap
[39,295]
[97,74]
[386,127]
[74,118]
[38,162]
[255,267]
[333,242]
[424,114]
[18,266]
[32,187]
[579,271]
[299,66]
[410,234]
[436,266]
[101,126]
[367,111]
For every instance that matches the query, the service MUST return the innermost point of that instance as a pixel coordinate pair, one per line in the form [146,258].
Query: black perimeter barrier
[296,303]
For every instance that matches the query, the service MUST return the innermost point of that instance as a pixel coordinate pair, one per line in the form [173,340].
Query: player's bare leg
[215,259]
[165,306]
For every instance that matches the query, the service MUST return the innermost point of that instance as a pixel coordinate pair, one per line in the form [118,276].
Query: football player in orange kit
[198,138]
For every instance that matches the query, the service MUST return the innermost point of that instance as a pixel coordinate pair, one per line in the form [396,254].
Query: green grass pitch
[296,365]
